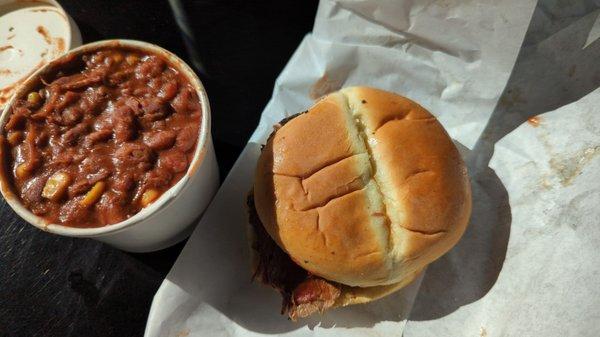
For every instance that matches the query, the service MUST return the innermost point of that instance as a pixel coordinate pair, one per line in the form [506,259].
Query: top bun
[364,189]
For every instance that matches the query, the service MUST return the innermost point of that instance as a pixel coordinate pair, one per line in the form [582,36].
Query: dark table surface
[57,286]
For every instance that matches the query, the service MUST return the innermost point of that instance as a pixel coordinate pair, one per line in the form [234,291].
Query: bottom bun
[304,294]
[358,295]
[349,295]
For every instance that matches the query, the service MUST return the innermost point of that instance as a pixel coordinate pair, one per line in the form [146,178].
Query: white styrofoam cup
[171,217]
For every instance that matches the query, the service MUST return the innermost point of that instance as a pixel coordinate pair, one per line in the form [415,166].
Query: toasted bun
[365,189]
[361,295]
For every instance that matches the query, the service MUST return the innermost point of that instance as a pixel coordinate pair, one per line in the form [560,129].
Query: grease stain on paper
[565,167]
[568,168]
[323,86]
[184,333]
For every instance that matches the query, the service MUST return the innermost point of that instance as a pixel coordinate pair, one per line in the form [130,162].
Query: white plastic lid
[32,33]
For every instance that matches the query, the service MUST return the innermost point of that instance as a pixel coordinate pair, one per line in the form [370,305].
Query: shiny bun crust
[365,189]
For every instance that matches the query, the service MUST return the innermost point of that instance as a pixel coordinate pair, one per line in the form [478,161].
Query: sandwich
[352,199]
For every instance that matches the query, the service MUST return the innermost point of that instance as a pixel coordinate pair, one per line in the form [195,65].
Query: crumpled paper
[525,265]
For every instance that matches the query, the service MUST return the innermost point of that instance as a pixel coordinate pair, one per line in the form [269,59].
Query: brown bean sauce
[101,138]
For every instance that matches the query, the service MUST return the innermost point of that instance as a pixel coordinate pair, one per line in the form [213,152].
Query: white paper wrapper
[455,58]
[547,285]
[550,273]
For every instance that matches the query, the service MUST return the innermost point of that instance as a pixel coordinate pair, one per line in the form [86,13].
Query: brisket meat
[303,294]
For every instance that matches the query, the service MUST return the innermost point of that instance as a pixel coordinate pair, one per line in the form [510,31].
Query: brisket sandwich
[353,199]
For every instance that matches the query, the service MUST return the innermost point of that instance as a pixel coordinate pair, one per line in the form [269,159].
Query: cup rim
[168,196]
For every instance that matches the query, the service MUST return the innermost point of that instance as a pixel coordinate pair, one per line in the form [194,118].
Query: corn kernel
[132,59]
[22,171]
[94,194]
[149,196]
[56,186]
[117,57]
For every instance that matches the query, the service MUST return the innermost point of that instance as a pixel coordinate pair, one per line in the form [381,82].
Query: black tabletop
[57,286]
